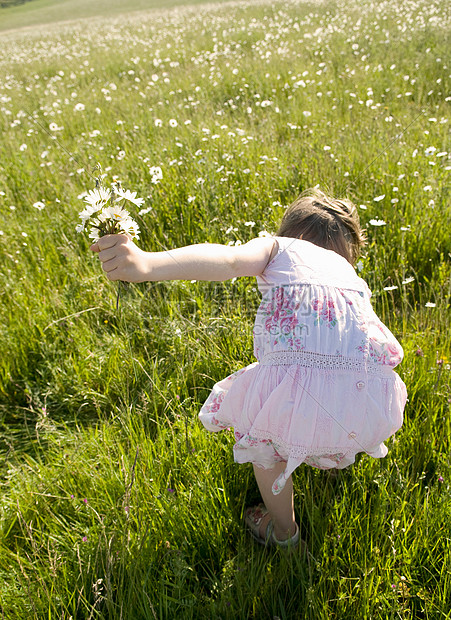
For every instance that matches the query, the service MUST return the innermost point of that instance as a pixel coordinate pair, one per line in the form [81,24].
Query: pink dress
[323,388]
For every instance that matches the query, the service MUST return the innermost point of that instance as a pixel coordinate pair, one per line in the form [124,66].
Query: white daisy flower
[98,197]
[130,227]
[94,234]
[377,222]
[130,196]
[114,212]
[89,211]
[156,173]
[39,205]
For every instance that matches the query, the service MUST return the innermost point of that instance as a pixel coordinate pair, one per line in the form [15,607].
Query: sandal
[253,518]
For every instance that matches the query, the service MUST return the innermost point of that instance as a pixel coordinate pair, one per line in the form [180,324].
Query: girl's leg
[281,506]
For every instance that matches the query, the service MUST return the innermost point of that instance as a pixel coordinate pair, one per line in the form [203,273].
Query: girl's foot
[258,521]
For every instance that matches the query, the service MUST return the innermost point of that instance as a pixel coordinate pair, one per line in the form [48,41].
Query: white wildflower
[377,222]
[94,234]
[98,197]
[130,196]
[156,173]
[130,227]
[114,212]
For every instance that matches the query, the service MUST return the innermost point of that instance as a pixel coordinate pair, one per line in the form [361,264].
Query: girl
[323,388]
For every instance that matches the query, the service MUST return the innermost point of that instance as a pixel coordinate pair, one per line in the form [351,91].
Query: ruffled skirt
[297,414]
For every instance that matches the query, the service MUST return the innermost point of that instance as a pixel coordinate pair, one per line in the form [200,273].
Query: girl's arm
[123,260]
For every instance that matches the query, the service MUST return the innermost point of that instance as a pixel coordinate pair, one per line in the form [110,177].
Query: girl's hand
[122,259]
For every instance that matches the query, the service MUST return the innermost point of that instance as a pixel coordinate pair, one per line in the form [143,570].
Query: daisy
[130,227]
[156,174]
[90,210]
[98,197]
[115,212]
[126,194]
[94,234]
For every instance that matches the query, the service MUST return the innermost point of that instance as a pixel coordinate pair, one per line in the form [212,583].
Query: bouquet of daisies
[105,212]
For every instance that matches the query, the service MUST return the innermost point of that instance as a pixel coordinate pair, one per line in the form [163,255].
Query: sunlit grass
[116,503]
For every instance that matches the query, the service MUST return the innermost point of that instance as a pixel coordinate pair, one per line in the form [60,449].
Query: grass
[115,502]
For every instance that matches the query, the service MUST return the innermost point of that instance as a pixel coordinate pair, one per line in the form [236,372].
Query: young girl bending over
[323,388]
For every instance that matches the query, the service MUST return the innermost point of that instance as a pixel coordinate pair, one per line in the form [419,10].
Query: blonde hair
[328,222]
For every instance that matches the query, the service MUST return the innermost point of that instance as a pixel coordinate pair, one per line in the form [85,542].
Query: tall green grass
[115,502]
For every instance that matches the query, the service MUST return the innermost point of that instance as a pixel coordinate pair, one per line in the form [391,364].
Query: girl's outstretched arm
[123,260]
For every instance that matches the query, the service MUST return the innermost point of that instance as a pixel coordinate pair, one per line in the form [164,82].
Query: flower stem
[118,294]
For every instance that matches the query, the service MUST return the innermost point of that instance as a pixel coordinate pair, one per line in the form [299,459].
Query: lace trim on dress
[286,450]
[323,361]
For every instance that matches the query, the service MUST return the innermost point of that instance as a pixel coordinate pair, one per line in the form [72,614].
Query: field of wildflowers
[115,502]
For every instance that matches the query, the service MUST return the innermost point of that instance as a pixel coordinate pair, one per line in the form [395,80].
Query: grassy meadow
[115,503]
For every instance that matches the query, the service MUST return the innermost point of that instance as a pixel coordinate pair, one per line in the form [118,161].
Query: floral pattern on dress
[380,352]
[316,460]
[325,312]
[213,406]
[280,318]
[251,442]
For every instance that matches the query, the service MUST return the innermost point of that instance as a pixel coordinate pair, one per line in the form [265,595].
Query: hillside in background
[6,4]
[26,13]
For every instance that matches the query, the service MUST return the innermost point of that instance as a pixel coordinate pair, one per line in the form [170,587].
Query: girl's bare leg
[281,506]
